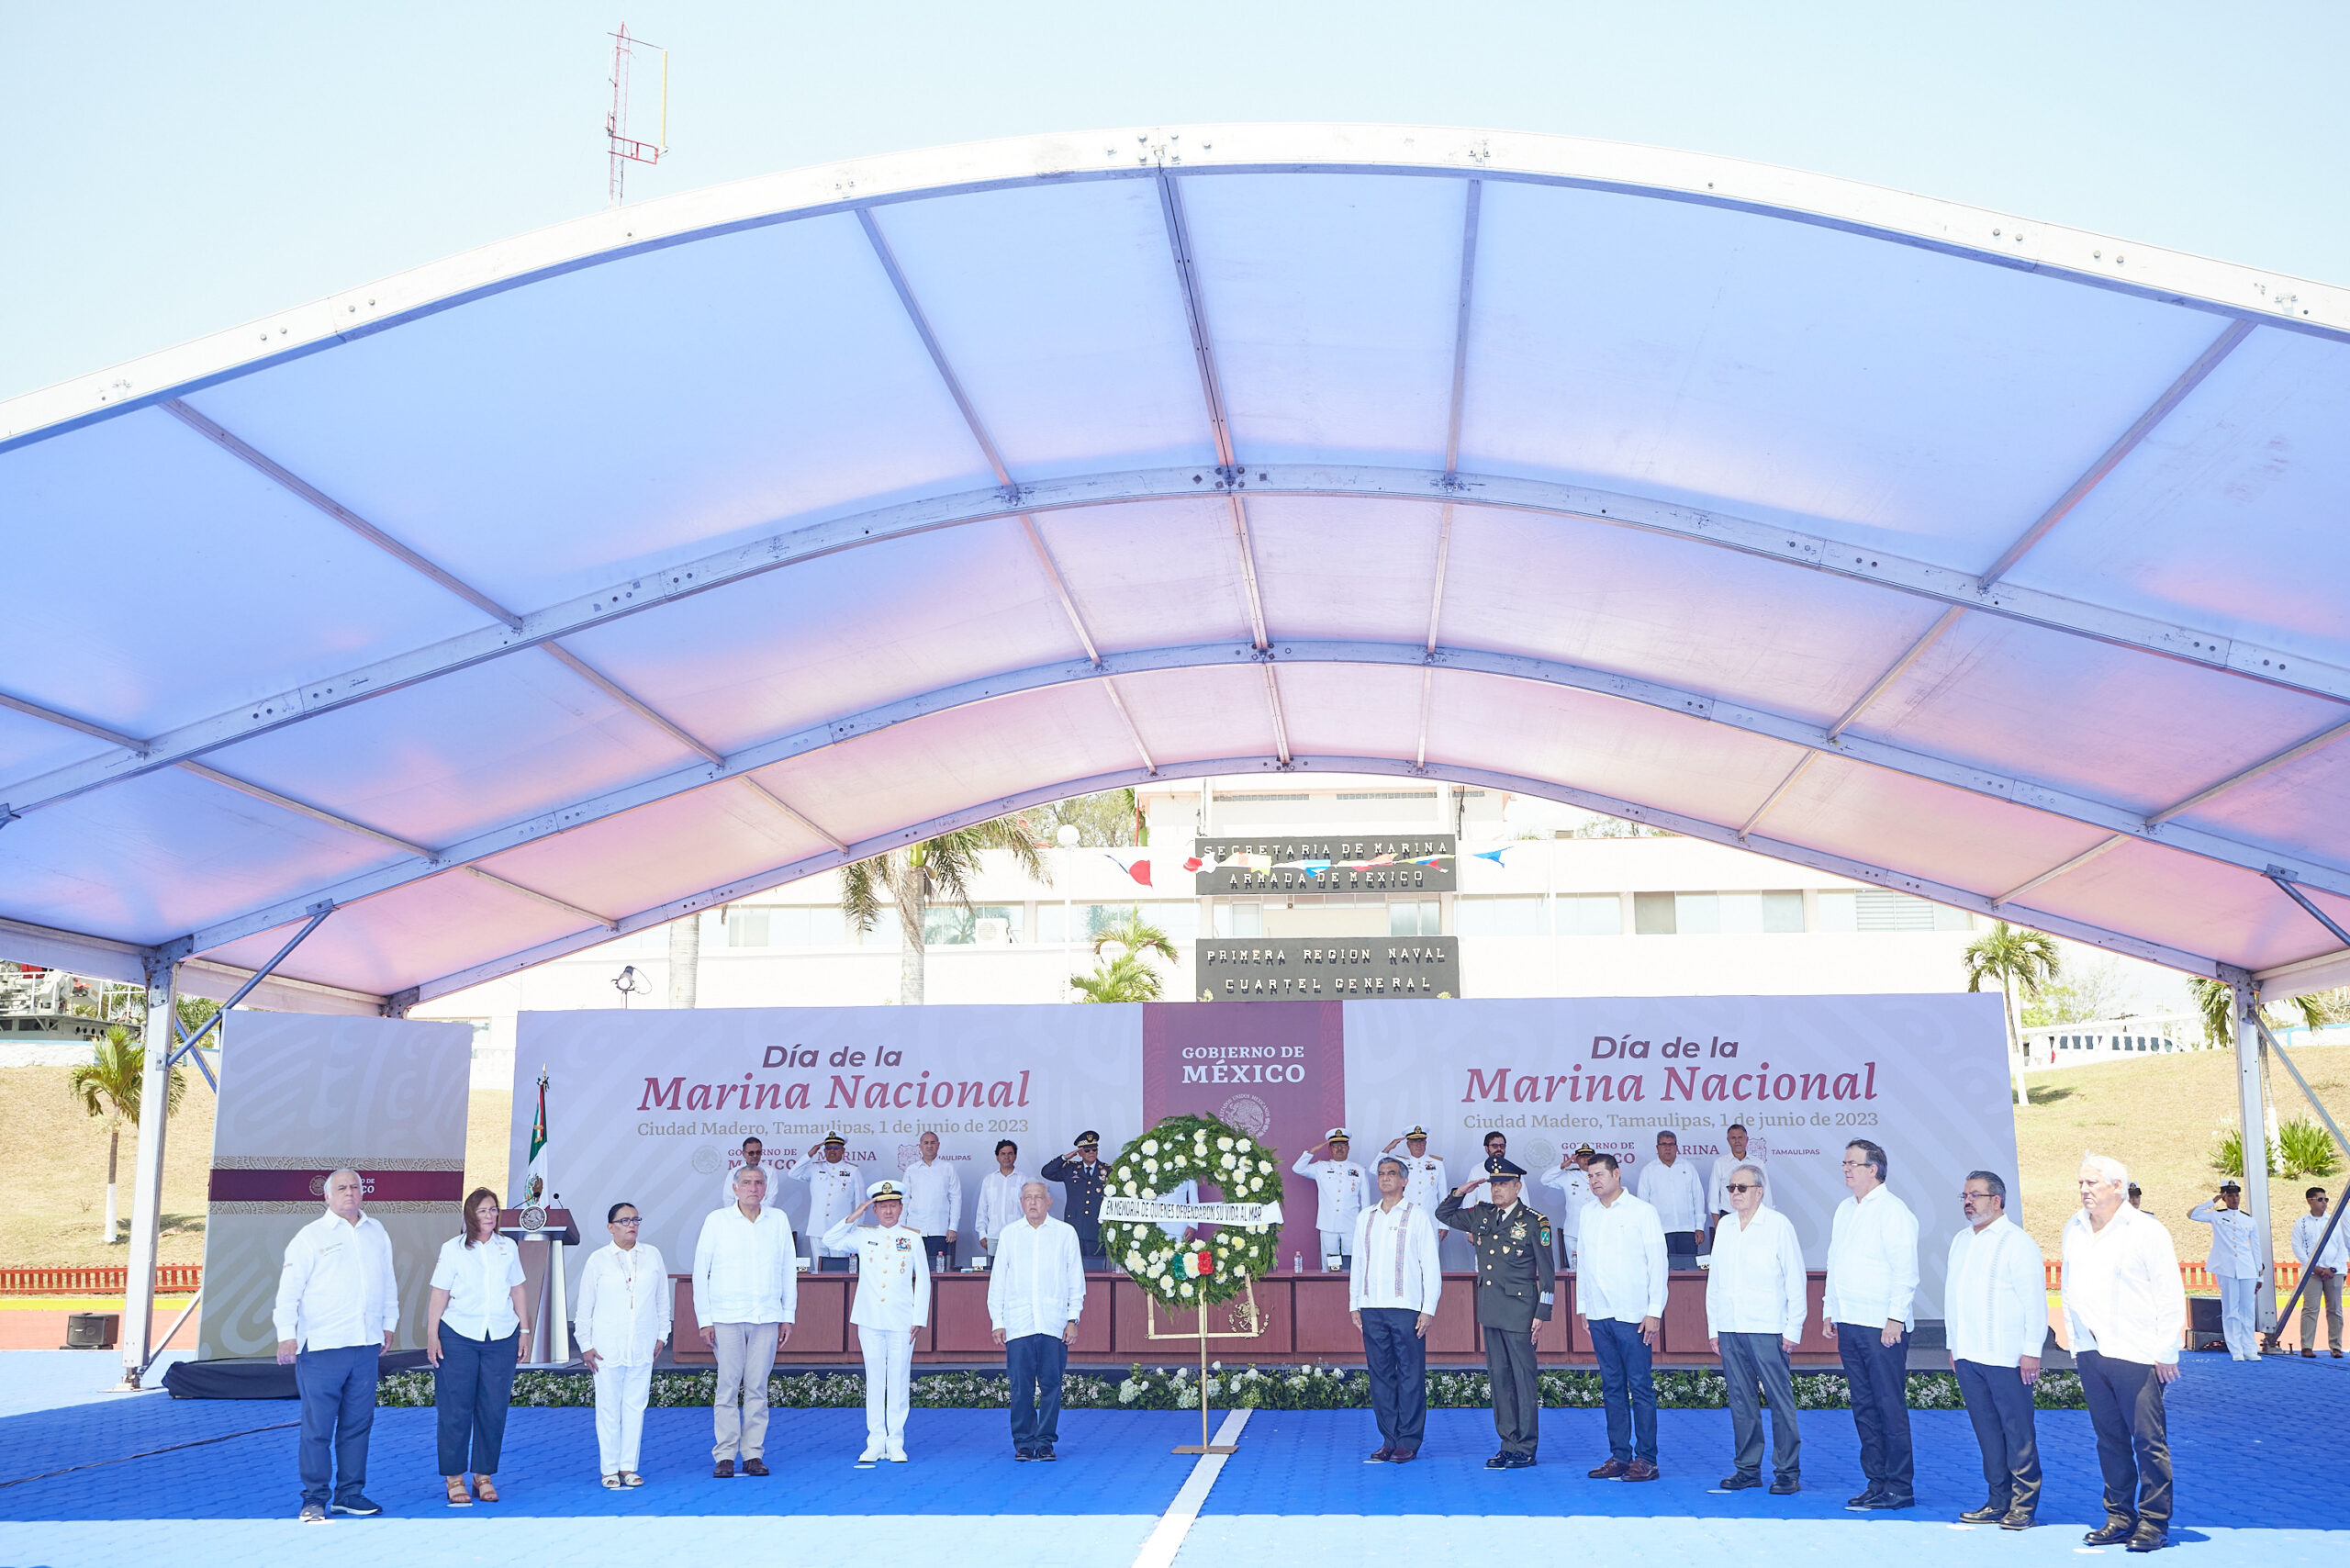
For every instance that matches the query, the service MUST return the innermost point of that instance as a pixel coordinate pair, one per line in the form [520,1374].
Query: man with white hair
[1995,1306]
[337,1307]
[1757,1296]
[746,1296]
[1036,1295]
[2124,1307]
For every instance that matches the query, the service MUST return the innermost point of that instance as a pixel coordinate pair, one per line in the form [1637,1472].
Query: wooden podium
[542,1280]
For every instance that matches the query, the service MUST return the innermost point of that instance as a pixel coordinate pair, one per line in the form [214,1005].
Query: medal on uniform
[1517,1231]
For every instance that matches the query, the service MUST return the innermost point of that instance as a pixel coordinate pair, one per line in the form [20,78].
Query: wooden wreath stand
[1246,1324]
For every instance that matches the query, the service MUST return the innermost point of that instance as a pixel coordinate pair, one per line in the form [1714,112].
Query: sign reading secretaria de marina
[1328,863]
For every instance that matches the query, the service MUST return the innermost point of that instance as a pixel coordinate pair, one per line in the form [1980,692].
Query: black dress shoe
[1863,1500]
[1989,1513]
[1786,1486]
[2149,1538]
[1379,1455]
[1740,1483]
[2016,1519]
[1499,1462]
[754,1467]
[2113,1530]
[1521,1462]
[723,1470]
[1403,1456]
[1046,1453]
[1609,1470]
[1023,1455]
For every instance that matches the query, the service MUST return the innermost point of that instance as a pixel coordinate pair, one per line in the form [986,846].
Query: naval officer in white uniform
[891,1307]
[1345,1189]
[833,1184]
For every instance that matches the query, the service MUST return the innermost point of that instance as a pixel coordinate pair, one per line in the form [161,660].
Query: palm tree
[1125,979]
[2216,1001]
[109,1089]
[1137,936]
[912,877]
[2019,960]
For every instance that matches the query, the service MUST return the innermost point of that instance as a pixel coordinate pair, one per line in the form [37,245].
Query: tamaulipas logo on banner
[1160,1213]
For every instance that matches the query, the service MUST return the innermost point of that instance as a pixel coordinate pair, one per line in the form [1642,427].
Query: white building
[1555,917]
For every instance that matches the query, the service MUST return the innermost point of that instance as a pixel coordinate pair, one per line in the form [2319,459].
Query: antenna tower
[622,148]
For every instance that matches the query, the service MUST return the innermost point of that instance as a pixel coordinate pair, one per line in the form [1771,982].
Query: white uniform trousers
[620,1396]
[889,1374]
[2238,1300]
[1336,1244]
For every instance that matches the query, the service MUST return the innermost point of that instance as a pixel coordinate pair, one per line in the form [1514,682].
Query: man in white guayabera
[1995,1304]
[1036,1295]
[746,1293]
[2124,1307]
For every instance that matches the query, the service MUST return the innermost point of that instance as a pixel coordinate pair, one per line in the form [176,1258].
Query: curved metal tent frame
[643,563]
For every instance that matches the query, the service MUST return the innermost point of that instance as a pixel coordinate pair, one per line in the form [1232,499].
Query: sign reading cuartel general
[1325,969]
[1328,863]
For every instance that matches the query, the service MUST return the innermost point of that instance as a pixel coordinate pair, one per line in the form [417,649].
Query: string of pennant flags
[1139,866]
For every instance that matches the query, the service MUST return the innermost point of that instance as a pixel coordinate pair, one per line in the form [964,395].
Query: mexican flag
[535,1185]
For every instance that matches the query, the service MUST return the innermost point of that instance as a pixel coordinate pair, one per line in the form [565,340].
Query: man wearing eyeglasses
[1757,1296]
[1868,1309]
[1995,1303]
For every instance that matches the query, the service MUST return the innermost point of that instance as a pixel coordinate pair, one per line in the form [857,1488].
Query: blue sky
[175,170]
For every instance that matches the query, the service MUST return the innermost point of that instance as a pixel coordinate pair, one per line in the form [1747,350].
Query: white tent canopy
[641,563]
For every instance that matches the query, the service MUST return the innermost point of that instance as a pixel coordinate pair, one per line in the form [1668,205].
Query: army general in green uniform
[1515,1281]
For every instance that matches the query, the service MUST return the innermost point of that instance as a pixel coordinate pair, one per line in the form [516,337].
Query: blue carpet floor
[103,1479]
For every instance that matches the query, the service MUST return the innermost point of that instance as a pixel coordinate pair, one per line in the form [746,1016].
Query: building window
[1090,920]
[1239,920]
[952,926]
[1590,914]
[1653,914]
[1413,918]
[746,927]
[1696,914]
[1497,916]
[1181,920]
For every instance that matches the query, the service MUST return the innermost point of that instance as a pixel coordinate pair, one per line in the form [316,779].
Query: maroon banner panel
[1275,1069]
[245,1186]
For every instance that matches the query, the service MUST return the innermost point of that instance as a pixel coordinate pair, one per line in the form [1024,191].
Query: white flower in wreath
[1266,1166]
[1130,1188]
[1151,1165]
[1186,1290]
[1225,1144]
[1150,1146]
[1256,1183]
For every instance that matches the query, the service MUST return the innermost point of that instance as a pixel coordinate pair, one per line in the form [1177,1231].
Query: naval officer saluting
[832,1183]
[892,1303]
[1086,1181]
[1515,1280]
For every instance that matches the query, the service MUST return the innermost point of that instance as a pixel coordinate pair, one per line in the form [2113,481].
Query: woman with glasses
[623,1318]
[474,1335]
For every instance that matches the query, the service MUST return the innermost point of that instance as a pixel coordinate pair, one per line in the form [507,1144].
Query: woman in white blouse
[623,1318]
[473,1337]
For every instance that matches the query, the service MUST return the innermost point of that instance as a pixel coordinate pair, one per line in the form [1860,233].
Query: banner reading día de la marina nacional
[651,1107]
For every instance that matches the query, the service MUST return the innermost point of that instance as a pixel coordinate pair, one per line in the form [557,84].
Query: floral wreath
[1205,1269]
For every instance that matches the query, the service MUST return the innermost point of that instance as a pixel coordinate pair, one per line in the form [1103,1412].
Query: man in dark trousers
[1515,1279]
[1086,1182]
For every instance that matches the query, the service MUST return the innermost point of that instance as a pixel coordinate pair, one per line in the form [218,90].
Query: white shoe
[898,1453]
[875,1450]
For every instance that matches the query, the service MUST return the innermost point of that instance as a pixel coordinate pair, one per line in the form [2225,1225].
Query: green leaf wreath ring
[1214,1266]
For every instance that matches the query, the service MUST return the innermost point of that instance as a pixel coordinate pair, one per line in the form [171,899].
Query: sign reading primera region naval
[1291,968]
[1398,863]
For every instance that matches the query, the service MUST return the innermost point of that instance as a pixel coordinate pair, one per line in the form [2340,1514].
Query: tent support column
[2252,1108]
[147,1175]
